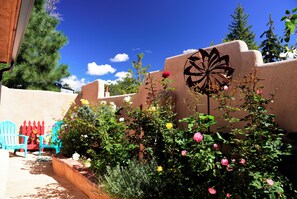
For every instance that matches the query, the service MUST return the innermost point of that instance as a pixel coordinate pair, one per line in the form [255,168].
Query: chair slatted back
[55,132]
[8,133]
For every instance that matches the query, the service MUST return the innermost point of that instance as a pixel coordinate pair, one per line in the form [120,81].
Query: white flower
[87,164]
[113,106]
[127,99]
[121,119]
[75,156]
[103,102]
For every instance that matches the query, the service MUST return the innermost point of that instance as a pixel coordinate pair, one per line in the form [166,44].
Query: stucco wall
[280,75]
[18,105]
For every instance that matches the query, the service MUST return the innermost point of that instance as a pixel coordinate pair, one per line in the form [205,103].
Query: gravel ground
[33,177]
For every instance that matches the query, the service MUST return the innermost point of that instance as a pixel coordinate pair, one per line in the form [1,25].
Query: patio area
[33,177]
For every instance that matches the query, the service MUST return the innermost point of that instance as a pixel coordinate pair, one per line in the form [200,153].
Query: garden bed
[79,176]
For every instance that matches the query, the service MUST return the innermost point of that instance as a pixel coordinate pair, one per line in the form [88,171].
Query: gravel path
[33,177]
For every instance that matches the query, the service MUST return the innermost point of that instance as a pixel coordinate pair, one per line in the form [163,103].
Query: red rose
[165,74]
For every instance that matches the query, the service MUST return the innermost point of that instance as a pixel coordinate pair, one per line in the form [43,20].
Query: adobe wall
[18,105]
[280,75]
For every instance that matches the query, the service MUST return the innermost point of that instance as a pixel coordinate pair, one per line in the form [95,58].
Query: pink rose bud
[228,195]
[226,87]
[224,162]
[233,160]
[270,182]
[229,168]
[215,146]
[259,91]
[242,161]
[212,190]
[198,137]
[184,153]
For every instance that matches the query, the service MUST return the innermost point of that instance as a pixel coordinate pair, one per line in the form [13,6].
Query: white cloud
[120,58]
[119,75]
[74,83]
[94,69]
[122,74]
[289,55]
[189,51]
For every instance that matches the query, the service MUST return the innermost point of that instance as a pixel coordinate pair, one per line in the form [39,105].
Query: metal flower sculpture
[208,73]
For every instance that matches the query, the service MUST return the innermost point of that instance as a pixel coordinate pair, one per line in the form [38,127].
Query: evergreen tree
[37,64]
[239,30]
[271,47]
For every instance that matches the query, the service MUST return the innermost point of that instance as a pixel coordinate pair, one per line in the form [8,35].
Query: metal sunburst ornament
[207,72]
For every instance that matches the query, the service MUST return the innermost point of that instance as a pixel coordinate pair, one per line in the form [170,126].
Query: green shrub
[136,180]
[95,132]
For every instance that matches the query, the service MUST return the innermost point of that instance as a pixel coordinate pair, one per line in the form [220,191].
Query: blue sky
[105,36]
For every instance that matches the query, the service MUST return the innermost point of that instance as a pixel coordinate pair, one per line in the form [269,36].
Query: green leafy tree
[290,23]
[37,64]
[132,81]
[240,30]
[271,47]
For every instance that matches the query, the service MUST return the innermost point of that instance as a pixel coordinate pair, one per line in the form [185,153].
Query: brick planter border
[64,168]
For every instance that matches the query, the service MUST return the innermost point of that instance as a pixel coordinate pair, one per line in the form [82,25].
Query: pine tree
[271,47]
[239,30]
[37,65]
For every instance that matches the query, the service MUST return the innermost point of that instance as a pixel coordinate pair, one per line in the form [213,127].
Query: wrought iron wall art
[207,72]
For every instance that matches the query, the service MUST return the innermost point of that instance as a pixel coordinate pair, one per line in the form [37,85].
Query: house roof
[14,17]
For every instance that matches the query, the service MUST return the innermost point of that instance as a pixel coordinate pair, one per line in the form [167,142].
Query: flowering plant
[95,132]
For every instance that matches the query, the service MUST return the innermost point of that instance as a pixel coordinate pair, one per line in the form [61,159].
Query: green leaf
[287,12]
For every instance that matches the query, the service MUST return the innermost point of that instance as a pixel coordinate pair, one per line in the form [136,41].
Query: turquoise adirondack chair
[54,143]
[10,138]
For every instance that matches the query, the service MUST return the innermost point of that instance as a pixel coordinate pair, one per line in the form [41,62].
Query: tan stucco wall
[281,75]
[93,91]
[18,105]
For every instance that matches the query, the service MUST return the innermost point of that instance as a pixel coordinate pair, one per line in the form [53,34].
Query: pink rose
[269,182]
[166,74]
[198,137]
[228,195]
[184,153]
[215,146]
[224,162]
[242,161]
[212,190]
[259,91]
[229,168]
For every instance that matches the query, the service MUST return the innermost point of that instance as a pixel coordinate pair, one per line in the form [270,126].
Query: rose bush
[239,160]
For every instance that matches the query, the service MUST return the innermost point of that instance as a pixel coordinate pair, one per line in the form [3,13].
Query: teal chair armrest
[25,138]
